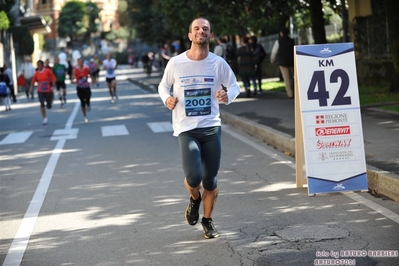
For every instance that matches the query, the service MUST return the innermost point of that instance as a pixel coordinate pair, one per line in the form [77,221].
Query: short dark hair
[254,39]
[222,39]
[40,61]
[210,25]
[285,31]
[245,39]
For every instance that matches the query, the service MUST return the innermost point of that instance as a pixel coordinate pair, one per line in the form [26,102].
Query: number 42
[319,82]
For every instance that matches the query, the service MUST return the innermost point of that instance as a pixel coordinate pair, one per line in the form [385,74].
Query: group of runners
[46,77]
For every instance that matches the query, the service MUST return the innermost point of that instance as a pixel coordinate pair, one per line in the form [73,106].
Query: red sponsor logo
[320,119]
[343,143]
[337,118]
[332,131]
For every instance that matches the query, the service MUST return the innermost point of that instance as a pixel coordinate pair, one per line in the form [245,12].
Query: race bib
[110,71]
[198,102]
[83,83]
[44,86]
[60,72]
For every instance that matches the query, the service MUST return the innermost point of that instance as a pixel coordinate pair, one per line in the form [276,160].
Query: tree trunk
[317,19]
[345,22]
[391,10]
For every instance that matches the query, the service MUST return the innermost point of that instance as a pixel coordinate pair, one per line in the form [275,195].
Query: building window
[44,2]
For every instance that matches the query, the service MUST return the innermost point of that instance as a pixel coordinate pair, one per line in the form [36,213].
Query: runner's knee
[193,178]
[210,184]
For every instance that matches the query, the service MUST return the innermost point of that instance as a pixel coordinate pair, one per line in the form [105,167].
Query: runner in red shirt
[80,76]
[45,80]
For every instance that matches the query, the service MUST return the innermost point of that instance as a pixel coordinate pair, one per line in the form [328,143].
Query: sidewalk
[270,117]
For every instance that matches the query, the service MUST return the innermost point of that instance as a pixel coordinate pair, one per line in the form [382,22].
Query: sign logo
[320,119]
[336,155]
[332,131]
[323,156]
[339,187]
[344,143]
[326,51]
[332,118]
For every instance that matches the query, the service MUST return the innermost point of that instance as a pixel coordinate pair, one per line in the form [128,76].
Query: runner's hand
[222,96]
[171,102]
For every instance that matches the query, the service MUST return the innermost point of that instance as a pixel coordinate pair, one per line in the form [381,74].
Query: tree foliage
[4,21]
[391,7]
[93,18]
[70,20]
[6,5]
[158,21]
[78,20]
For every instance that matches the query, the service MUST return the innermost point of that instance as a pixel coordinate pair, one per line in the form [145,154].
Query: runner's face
[200,32]
[39,66]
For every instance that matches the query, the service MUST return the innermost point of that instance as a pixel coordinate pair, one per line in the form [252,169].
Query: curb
[273,137]
[380,182]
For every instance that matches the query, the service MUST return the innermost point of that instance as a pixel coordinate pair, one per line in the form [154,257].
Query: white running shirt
[109,68]
[195,84]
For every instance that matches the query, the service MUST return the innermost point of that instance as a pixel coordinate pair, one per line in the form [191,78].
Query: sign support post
[300,178]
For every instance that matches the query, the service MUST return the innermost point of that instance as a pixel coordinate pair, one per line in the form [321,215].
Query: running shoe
[192,211]
[45,121]
[209,229]
[86,120]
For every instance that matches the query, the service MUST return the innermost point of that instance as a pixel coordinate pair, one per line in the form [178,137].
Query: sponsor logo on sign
[331,119]
[335,155]
[339,187]
[326,51]
[332,131]
[319,119]
[323,156]
[341,155]
[208,79]
[343,143]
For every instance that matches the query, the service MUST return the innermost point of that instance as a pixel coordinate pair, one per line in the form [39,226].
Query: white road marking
[374,206]
[354,196]
[17,137]
[70,133]
[118,130]
[21,239]
[158,127]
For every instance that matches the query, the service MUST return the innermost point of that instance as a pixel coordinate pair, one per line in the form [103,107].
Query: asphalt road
[110,192]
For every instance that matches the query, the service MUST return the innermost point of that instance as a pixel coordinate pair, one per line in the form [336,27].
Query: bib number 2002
[317,88]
